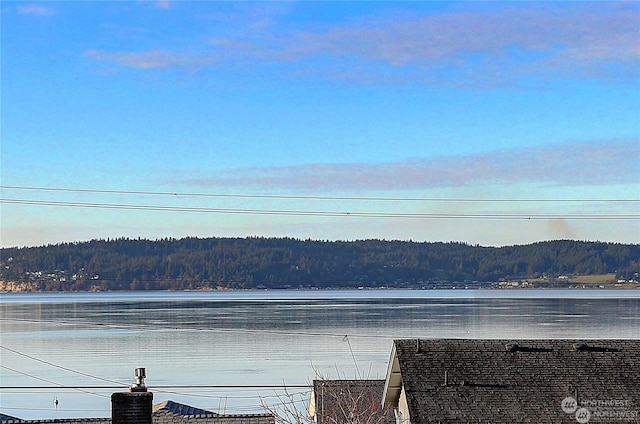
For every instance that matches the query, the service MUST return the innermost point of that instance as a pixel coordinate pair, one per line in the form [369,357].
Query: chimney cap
[140,374]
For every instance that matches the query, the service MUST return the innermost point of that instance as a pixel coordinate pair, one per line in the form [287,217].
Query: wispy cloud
[503,45]
[156,59]
[163,4]
[577,164]
[35,9]
[488,47]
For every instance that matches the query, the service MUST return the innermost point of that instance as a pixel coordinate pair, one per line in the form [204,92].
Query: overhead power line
[52,385]
[308,197]
[502,216]
[57,385]
[60,366]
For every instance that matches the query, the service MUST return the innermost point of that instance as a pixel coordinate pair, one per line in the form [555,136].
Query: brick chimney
[134,406]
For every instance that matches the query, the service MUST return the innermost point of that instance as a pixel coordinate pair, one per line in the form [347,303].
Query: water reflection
[205,339]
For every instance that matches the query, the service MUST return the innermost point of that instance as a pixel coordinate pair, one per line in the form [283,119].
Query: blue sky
[325,120]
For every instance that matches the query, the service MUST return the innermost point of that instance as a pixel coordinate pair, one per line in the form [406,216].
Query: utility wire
[158,389]
[121,385]
[304,197]
[61,367]
[59,386]
[505,216]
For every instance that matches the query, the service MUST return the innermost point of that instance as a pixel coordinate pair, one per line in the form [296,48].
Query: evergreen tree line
[242,263]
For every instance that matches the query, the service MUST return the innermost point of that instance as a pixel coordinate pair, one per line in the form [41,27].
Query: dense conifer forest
[243,263]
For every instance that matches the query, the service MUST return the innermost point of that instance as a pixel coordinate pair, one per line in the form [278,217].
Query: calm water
[93,342]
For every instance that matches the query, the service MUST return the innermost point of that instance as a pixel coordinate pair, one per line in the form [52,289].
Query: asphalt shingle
[494,381]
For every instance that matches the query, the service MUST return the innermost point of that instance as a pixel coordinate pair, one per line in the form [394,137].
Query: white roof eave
[393,382]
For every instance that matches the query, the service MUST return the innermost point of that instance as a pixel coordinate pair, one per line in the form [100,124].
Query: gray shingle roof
[214,419]
[162,418]
[167,412]
[493,381]
[171,407]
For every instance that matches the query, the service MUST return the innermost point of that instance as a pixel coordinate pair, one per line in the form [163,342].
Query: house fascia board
[393,382]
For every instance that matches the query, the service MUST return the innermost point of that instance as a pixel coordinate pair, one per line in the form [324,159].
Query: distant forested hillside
[239,263]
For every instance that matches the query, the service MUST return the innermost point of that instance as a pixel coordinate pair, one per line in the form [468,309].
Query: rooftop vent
[578,346]
[511,347]
[139,386]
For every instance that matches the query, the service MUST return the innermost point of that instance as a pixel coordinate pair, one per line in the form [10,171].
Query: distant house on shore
[505,381]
